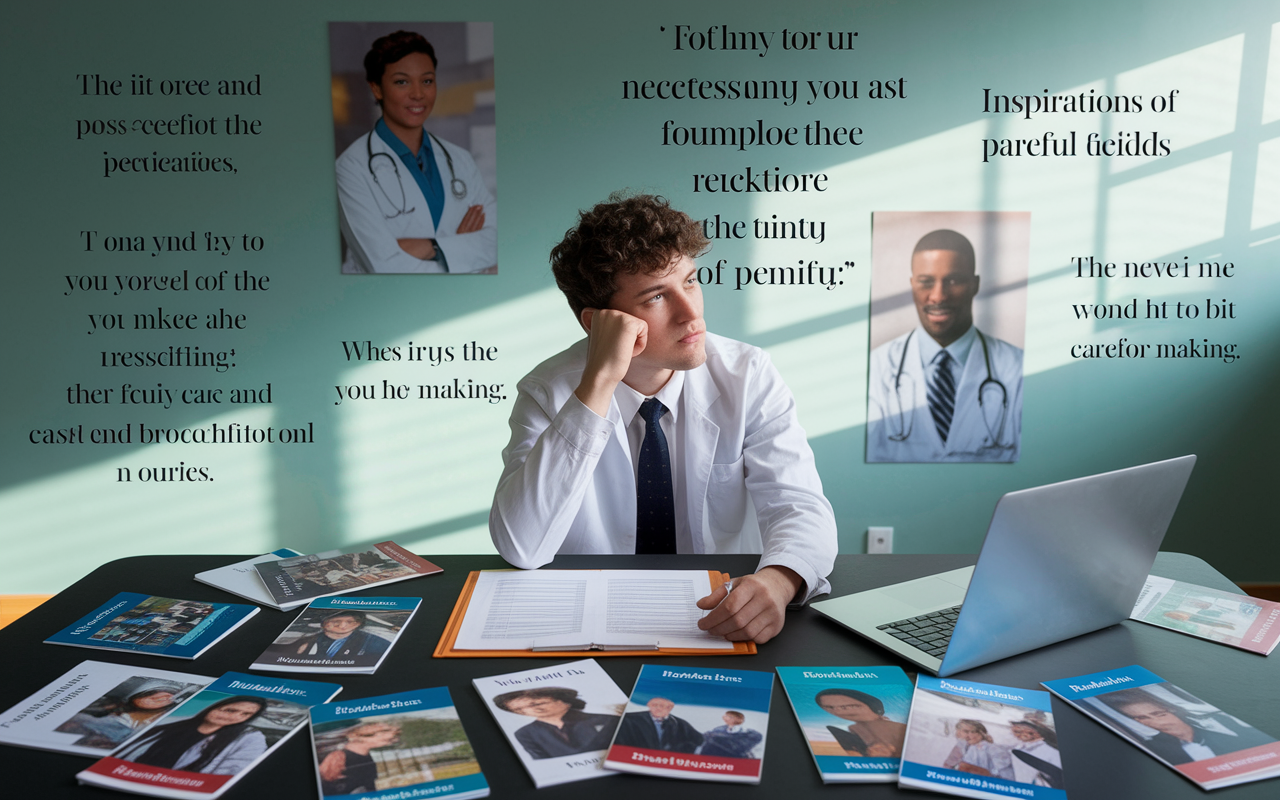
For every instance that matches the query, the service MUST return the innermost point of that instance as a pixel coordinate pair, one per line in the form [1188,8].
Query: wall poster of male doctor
[414,138]
[948,327]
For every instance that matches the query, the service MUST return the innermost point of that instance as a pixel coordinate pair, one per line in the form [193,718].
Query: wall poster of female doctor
[413,108]
[948,323]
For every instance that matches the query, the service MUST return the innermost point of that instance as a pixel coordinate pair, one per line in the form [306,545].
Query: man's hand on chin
[756,608]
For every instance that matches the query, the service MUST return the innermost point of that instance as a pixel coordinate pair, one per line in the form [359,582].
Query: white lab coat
[568,485]
[892,412]
[364,210]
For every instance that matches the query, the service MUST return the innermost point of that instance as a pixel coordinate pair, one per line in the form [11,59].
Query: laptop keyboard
[929,633]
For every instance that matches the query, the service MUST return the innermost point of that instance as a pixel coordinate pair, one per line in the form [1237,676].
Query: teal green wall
[423,473]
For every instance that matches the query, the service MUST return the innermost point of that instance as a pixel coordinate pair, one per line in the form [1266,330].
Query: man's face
[660,707]
[732,719]
[943,291]
[1025,733]
[670,303]
[340,627]
[1158,717]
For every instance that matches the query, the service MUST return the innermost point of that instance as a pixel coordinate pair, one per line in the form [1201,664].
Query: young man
[725,468]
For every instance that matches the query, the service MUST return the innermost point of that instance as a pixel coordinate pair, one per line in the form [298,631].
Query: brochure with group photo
[340,634]
[853,718]
[558,719]
[295,581]
[395,747]
[979,740]
[1235,620]
[90,710]
[693,722]
[158,626]
[1202,742]
[212,740]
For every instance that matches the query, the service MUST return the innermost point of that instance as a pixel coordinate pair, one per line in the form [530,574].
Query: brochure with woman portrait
[340,634]
[90,710]
[395,747]
[979,740]
[559,719]
[693,722]
[853,718]
[212,740]
[1200,741]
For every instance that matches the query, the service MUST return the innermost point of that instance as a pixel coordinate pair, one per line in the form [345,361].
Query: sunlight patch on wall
[1266,186]
[1271,101]
[96,519]
[827,375]
[1165,213]
[1208,83]
[467,541]
[934,173]
[404,464]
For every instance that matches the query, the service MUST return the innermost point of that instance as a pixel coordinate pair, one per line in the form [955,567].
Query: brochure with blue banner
[158,626]
[395,747]
[853,718]
[211,741]
[979,740]
[1200,741]
[694,722]
[340,634]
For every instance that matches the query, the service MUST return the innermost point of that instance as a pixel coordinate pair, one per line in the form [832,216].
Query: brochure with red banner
[211,741]
[696,723]
[1201,741]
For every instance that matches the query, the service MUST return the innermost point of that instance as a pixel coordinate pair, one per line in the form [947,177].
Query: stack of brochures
[1231,619]
[241,578]
[292,582]
[979,740]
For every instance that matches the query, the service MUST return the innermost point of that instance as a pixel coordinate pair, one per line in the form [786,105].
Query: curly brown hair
[626,234]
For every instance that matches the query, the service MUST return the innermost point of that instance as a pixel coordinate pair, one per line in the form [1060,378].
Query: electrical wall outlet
[879,540]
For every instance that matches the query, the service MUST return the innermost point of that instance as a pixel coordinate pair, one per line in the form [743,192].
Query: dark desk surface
[1098,764]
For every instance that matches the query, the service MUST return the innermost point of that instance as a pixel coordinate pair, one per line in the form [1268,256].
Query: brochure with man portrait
[1200,741]
[696,723]
[558,719]
[853,719]
[340,634]
[980,740]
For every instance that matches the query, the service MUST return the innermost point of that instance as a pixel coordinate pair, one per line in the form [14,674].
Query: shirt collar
[629,399]
[959,349]
[398,147]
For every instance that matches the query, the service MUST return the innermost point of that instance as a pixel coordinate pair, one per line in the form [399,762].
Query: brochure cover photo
[395,747]
[1231,619]
[340,634]
[692,722]
[979,740]
[558,719]
[158,626]
[853,719]
[213,739]
[93,708]
[1201,741]
[294,581]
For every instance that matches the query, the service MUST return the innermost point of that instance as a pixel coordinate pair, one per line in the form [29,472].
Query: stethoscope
[906,416]
[456,185]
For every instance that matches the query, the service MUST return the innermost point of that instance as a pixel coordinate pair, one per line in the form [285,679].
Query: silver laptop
[1058,561]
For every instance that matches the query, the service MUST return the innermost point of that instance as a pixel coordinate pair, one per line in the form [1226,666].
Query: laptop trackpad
[928,593]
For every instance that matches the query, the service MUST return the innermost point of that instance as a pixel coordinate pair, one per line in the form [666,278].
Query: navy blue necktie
[655,501]
[942,393]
